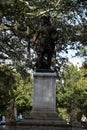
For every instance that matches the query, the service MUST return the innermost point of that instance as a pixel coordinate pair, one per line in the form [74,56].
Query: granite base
[40,124]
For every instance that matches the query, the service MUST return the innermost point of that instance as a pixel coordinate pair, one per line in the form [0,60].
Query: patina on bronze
[45,39]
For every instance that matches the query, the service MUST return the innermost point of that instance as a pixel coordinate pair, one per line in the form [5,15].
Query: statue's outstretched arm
[35,37]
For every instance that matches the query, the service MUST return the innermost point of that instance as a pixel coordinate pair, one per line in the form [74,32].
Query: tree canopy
[20,20]
[14,87]
[72,90]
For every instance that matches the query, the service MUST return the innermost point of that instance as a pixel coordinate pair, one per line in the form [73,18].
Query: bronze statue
[45,40]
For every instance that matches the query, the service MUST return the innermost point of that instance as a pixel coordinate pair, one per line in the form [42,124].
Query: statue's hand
[33,40]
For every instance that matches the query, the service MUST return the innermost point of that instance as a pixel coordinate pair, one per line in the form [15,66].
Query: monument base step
[40,124]
[43,115]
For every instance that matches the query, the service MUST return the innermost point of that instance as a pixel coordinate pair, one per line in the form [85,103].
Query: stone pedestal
[43,115]
[77,126]
[44,98]
[10,125]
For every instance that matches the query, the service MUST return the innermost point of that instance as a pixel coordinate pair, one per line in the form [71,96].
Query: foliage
[72,90]
[13,86]
[8,83]
[20,20]
[63,113]
[24,95]
[66,88]
[82,89]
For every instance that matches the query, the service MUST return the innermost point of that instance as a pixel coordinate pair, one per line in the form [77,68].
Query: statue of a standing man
[45,38]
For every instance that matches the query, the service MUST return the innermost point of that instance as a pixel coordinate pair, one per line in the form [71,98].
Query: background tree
[20,20]
[82,89]
[23,96]
[66,89]
[71,92]
[8,83]
[14,86]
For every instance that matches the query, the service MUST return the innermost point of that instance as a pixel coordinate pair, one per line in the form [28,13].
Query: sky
[77,61]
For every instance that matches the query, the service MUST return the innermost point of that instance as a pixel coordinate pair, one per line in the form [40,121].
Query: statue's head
[45,19]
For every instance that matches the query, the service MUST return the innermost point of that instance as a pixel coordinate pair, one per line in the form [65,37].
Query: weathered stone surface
[32,124]
[44,98]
